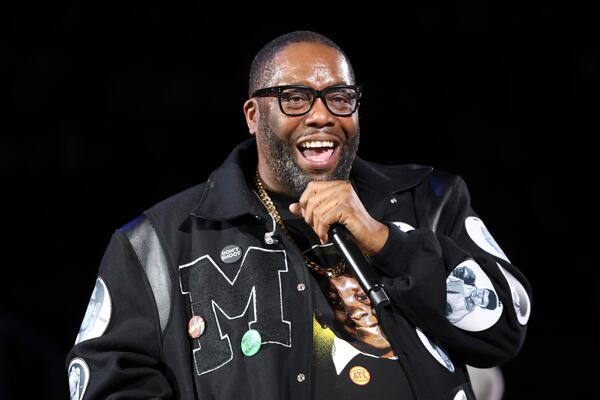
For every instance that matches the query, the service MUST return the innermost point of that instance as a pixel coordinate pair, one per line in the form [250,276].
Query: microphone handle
[361,268]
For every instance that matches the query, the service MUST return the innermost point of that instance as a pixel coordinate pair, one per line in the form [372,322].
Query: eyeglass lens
[299,100]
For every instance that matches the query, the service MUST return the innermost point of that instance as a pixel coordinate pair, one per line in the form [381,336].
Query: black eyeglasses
[296,100]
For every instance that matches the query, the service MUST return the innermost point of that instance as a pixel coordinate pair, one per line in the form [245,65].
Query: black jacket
[167,265]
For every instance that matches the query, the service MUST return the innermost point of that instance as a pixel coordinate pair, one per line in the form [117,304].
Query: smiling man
[226,289]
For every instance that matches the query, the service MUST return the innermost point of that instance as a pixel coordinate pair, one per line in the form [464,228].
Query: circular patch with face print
[435,351]
[472,303]
[482,237]
[79,377]
[97,315]
[520,298]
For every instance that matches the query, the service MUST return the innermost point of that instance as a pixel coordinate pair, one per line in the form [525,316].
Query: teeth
[314,144]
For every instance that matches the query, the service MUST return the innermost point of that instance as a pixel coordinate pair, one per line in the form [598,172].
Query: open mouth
[319,154]
[373,330]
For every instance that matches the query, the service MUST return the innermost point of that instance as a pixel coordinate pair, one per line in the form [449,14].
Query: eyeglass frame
[276,91]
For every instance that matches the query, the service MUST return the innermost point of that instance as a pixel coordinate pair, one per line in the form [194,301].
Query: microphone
[359,265]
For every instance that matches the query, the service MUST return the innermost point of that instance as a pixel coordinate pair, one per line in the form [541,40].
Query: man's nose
[358,313]
[319,116]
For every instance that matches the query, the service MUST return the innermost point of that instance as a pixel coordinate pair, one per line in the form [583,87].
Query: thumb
[296,209]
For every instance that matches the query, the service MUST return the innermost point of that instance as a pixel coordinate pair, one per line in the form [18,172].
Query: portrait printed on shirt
[354,319]
[352,356]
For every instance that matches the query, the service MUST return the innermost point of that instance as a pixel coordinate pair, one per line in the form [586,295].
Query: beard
[281,161]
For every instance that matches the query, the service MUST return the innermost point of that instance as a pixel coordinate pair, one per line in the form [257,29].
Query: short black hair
[492,300]
[261,67]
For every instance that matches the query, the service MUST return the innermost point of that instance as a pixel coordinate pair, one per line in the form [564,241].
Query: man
[462,296]
[214,290]
[460,304]
[354,317]
[352,355]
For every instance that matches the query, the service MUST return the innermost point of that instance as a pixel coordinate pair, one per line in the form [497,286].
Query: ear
[252,113]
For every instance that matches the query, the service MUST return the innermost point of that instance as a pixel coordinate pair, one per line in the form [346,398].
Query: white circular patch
[461,395]
[97,315]
[520,299]
[404,227]
[482,237]
[435,351]
[79,377]
[472,303]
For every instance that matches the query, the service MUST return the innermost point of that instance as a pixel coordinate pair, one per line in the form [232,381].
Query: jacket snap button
[301,377]
[300,287]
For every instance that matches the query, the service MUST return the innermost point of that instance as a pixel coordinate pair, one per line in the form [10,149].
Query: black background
[112,108]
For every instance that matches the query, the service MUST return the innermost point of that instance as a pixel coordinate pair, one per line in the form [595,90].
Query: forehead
[342,283]
[312,64]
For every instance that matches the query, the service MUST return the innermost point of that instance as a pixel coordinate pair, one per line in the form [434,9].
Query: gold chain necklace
[332,272]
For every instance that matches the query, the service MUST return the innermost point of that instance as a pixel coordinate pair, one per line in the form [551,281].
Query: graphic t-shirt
[352,359]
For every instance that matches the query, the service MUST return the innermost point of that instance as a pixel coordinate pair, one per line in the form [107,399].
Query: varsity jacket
[214,252]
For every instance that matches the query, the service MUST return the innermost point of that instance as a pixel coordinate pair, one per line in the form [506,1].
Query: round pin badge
[231,254]
[251,342]
[359,375]
[196,326]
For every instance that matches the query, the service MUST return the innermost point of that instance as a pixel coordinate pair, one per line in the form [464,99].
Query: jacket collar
[227,194]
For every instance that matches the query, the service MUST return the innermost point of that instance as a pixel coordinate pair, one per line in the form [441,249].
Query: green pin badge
[251,342]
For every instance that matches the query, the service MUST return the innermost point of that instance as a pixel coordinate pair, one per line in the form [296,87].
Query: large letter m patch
[253,291]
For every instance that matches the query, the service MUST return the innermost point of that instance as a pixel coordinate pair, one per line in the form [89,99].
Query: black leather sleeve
[124,361]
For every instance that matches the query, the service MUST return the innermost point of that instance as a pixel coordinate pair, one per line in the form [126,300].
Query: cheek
[340,314]
[283,127]
[350,126]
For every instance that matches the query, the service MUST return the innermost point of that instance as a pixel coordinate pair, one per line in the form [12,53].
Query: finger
[322,210]
[317,194]
[332,216]
[321,202]
[315,188]
[311,189]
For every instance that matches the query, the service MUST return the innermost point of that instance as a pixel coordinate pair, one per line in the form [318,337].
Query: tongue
[318,155]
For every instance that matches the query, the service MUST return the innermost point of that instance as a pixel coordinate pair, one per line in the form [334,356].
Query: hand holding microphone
[334,211]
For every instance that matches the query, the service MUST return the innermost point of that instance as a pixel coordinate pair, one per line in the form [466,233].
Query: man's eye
[294,97]
[340,99]
[335,302]
[363,298]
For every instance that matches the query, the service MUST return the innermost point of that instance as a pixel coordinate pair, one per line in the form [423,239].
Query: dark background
[112,108]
